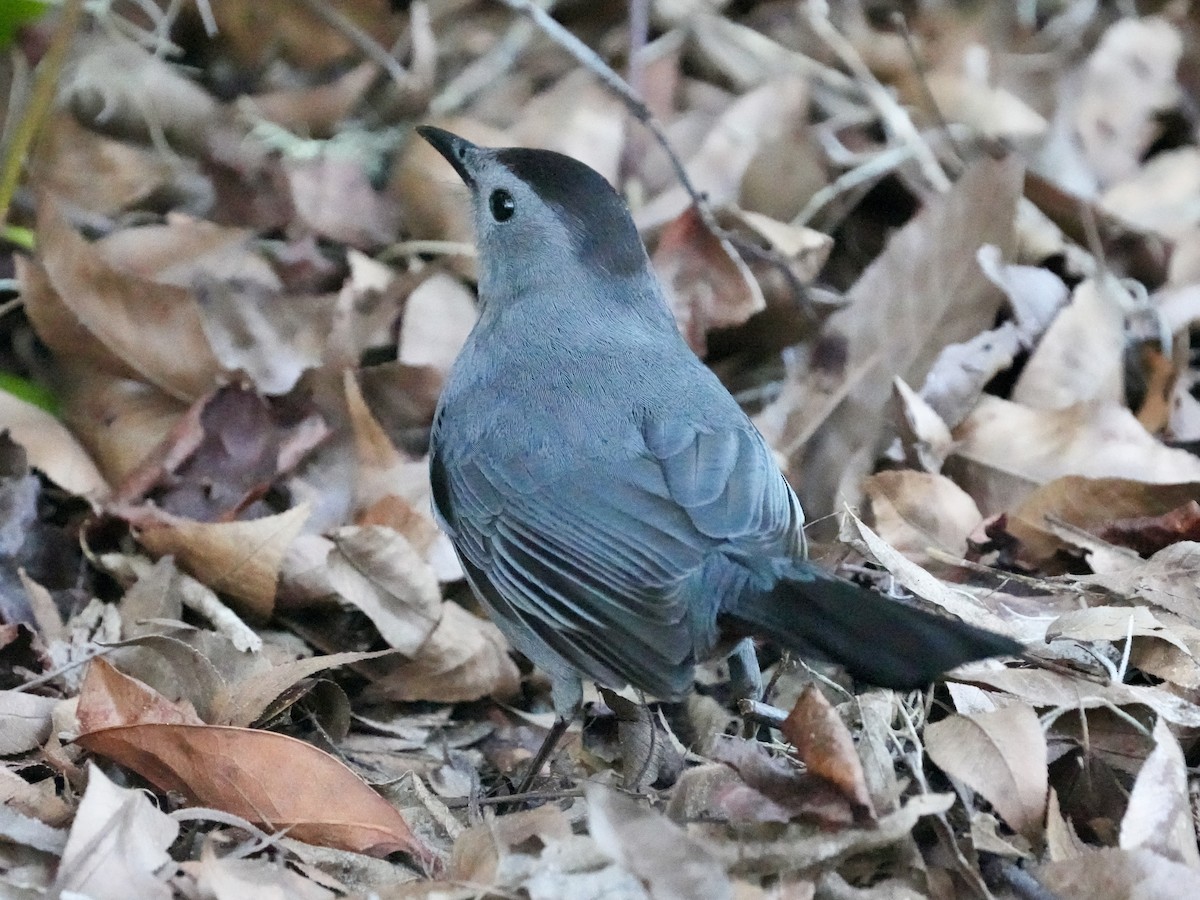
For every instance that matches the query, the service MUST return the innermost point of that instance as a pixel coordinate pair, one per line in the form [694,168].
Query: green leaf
[24,389]
[15,13]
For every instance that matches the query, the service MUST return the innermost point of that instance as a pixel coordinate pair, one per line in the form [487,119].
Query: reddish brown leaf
[109,698]
[824,743]
[271,779]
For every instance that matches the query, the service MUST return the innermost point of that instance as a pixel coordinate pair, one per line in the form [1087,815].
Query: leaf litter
[948,262]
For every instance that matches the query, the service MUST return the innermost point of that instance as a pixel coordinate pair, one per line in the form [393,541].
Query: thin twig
[40,102]
[898,123]
[350,30]
[591,61]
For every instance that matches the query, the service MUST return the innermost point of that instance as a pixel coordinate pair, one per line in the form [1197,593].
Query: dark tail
[876,640]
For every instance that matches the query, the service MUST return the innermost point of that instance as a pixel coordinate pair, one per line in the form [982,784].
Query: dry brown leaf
[109,698]
[1002,756]
[378,572]
[119,420]
[677,868]
[333,198]
[99,173]
[243,701]
[1161,195]
[1159,815]
[1042,688]
[924,435]
[1089,503]
[825,746]
[992,111]
[1162,645]
[153,329]
[117,847]
[956,601]
[923,292]
[240,559]
[707,284]
[228,878]
[478,850]
[465,658]
[717,167]
[916,511]
[269,779]
[51,448]
[1062,841]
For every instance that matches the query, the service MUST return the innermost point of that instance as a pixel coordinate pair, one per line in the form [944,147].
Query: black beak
[458,151]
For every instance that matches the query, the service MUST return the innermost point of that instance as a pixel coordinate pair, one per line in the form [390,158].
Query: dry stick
[350,30]
[485,70]
[41,100]
[895,119]
[591,61]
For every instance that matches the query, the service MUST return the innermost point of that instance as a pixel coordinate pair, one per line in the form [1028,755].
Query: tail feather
[876,640]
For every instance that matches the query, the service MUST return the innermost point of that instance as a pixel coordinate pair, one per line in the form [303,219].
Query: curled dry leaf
[240,559]
[380,573]
[118,844]
[1002,756]
[824,744]
[266,778]
[924,435]
[916,511]
[151,329]
[1159,815]
[465,658]
[1089,503]
[707,284]
[51,448]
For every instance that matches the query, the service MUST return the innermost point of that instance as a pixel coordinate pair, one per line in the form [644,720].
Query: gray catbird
[613,508]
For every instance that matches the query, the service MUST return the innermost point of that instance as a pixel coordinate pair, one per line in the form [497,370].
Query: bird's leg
[745,677]
[553,736]
[566,692]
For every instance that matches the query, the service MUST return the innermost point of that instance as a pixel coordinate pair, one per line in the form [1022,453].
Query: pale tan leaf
[24,721]
[51,448]
[240,559]
[917,511]
[154,329]
[1159,815]
[118,844]
[1002,756]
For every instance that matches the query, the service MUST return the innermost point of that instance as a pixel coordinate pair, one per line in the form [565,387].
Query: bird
[614,509]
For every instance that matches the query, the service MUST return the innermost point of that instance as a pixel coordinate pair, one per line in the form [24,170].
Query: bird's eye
[502,205]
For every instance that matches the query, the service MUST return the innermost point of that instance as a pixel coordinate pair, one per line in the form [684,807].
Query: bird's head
[541,218]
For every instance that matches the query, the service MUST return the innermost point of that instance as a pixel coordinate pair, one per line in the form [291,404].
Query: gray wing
[602,564]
